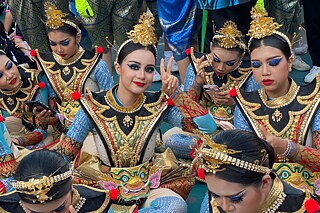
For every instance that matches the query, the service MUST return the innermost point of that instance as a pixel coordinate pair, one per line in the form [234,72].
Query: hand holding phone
[209,87]
[39,107]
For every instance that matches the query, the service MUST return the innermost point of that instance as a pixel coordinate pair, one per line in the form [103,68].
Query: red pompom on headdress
[41,85]
[188,51]
[1,119]
[100,49]
[170,102]
[33,53]
[200,173]
[233,92]
[75,95]
[114,194]
[311,206]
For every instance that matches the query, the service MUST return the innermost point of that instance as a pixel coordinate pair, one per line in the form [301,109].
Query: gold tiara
[40,187]
[55,17]
[262,26]
[211,156]
[229,36]
[142,33]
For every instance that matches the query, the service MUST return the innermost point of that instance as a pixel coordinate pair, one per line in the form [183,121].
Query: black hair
[130,47]
[41,163]
[68,29]
[275,41]
[216,43]
[252,149]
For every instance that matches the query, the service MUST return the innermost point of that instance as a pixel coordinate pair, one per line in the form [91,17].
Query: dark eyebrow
[267,58]
[225,61]
[229,196]
[135,62]
[59,41]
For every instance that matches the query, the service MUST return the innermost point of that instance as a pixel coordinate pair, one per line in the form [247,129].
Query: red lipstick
[267,82]
[13,81]
[62,55]
[139,84]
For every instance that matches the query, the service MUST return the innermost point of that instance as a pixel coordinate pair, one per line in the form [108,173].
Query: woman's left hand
[222,96]
[279,145]
[169,82]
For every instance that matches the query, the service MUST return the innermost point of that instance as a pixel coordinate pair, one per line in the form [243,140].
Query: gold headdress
[211,156]
[229,36]
[55,17]
[143,33]
[40,187]
[262,26]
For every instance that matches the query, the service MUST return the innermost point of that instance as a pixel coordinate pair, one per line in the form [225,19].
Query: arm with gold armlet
[69,148]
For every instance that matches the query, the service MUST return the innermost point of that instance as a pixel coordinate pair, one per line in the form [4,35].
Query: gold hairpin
[40,187]
[262,26]
[142,33]
[229,36]
[55,17]
[212,156]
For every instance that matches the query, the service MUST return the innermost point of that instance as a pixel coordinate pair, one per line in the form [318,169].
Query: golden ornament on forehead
[263,26]
[40,187]
[143,33]
[211,156]
[55,17]
[229,36]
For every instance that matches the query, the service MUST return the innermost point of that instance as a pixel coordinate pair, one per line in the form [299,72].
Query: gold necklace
[127,120]
[77,201]
[275,198]
[279,102]
[70,61]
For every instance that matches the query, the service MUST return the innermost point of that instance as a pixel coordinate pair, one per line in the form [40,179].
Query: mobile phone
[211,87]
[39,106]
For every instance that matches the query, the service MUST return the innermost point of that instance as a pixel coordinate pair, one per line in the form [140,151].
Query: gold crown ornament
[143,33]
[263,26]
[229,36]
[55,17]
[211,156]
[40,187]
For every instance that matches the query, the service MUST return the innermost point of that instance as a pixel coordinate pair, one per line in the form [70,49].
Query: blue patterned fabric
[218,4]
[205,205]
[102,76]
[177,19]
[167,204]
[5,150]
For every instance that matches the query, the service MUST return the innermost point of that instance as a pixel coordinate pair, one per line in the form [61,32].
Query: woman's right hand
[43,116]
[201,64]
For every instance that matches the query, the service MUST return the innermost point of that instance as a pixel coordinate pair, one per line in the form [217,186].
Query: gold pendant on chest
[66,70]
[127,121]
[10,101]
[276,116]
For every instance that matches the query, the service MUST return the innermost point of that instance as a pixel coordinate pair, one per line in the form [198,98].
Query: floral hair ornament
[40,187]
[263,26]
[211,156]
[229,36]
[143,33]
[55,17]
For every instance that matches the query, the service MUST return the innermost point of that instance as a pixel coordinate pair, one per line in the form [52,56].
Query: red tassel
[311,206]
[41,85]
[33,53]
[136,209]
[100,49]
[1,119]
[170,102]
[114,194]
[233,92]
[188,51]
[3,189]
[75,96]
[200,173]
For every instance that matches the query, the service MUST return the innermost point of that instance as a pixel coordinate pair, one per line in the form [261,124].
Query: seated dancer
[125,120]
[17,86]
[237,166]
[43,183]
[8,152]
[209,80]
[282,112]
[69,68]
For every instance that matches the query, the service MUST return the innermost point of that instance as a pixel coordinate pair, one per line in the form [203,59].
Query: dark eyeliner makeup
[9,65]
[216,59]
[134,66]
[237,198]
[255,64]
[65,42]
[230,63]
[52,43]
[149,69]
[275,61]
